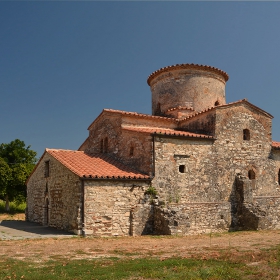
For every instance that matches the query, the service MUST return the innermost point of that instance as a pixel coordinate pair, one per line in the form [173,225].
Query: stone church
[196,165]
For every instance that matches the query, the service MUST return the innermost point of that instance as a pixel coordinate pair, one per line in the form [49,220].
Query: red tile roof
[95,166]
[139,115]
[187,66]
[165,131]
[276,144]
[180,108]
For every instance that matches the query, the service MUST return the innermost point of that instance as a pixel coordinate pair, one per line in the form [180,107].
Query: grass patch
[124,269]
[226,266]
[15,207]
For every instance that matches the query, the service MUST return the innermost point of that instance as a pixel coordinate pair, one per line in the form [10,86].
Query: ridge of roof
[170,119]
[228,105]
[139,114]
[166,131]
[187,66]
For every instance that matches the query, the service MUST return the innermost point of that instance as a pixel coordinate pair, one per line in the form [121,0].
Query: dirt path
[134,247]
[73,248]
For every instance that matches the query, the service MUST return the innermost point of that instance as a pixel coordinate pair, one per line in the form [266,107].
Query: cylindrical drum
[192,86]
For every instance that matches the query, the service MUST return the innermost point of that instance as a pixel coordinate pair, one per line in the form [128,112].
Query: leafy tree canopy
[16,163]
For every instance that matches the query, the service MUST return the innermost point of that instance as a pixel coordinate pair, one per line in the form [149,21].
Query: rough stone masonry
[196,165]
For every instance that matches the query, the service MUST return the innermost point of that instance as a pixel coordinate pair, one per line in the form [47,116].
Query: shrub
[151,191]
[15,207]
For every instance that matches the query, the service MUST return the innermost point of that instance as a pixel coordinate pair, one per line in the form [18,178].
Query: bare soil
[249,244]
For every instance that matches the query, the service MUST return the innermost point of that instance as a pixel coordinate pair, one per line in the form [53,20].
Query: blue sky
[62,62]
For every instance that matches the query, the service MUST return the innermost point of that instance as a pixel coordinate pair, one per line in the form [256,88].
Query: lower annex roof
[99,166]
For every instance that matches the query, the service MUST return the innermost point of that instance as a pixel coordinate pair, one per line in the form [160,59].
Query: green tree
[16,163]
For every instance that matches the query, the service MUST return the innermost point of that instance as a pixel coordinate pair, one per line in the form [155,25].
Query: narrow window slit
[246,134]
[182,168]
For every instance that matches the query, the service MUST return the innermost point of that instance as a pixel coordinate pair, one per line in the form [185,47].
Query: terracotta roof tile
[180,108]
[187,66]
[95,166]
[276,144]
[165,131]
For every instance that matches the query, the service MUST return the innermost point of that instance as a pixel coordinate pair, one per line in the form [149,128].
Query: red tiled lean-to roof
[100,166]
[165,131]
[276,144]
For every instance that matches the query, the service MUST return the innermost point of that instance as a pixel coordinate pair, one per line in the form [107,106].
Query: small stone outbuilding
[196,165]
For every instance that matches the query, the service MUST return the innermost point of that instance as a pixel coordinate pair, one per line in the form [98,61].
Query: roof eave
[86,178]
[185,136]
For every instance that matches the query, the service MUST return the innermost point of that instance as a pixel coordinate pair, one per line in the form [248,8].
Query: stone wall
[142,218]
[142,150]
[234,155]
[192,218]
[275,156]
[108,206]
[105,126]
[203,172]
[195,182]
[202,123]
[54,200]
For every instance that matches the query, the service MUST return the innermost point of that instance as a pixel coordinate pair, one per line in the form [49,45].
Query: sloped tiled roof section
[166,131]
[276,145]
[100,166]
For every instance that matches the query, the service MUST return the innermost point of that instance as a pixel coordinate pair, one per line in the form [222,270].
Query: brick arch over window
[131,151]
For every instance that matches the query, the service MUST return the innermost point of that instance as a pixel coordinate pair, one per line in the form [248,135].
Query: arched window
[158,110]
[246,134]
[106,145]
[101,146]
[131,151]
[279,177]
[251,175]
[47,168]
